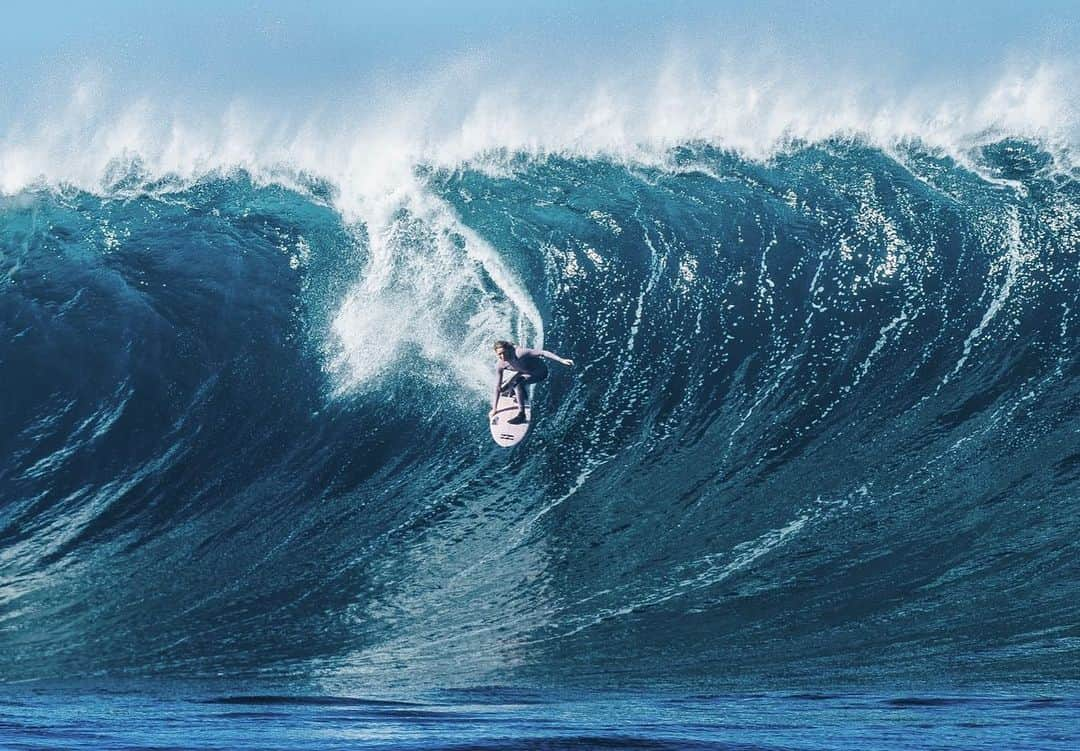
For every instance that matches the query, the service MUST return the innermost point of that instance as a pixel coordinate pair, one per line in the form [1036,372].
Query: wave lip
[369,150]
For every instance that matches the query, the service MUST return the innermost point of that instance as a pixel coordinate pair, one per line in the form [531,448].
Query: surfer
[528,366]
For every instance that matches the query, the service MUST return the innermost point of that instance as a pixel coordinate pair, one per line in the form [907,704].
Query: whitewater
[822,432]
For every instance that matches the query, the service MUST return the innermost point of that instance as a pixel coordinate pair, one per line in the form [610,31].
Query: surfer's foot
[517,419]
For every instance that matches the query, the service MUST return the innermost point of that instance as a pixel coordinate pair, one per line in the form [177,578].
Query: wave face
[823,424]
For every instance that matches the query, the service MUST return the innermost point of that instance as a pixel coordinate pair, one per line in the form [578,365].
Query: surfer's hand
[568,363]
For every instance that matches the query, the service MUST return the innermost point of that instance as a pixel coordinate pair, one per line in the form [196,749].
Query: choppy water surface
[521,719]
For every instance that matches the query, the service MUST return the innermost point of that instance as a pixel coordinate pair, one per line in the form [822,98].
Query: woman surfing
[528,366]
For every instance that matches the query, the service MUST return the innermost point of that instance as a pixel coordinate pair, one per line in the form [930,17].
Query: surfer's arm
[552,356]
[498,385]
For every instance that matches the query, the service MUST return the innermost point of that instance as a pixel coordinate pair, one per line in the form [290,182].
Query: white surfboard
[506,407]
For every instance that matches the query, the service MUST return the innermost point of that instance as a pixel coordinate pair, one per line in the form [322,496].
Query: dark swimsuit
[528,363]
[532,368]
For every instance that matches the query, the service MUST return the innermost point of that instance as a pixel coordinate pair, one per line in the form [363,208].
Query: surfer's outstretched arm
[550,356]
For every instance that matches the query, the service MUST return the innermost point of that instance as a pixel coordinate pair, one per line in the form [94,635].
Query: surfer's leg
[510,385]
[519,388]
[522,382]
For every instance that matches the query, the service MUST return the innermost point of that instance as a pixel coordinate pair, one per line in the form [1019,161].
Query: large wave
[823,421]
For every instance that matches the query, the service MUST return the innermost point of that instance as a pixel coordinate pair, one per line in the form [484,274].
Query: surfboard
[506,407]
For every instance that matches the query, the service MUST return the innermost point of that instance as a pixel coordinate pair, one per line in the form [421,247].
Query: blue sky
[360,92]
[312,49]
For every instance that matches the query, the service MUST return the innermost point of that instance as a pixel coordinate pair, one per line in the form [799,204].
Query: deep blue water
[493,718]
[823,435]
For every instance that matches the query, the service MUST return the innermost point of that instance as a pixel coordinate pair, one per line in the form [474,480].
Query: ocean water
[813,482]
[502,718]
